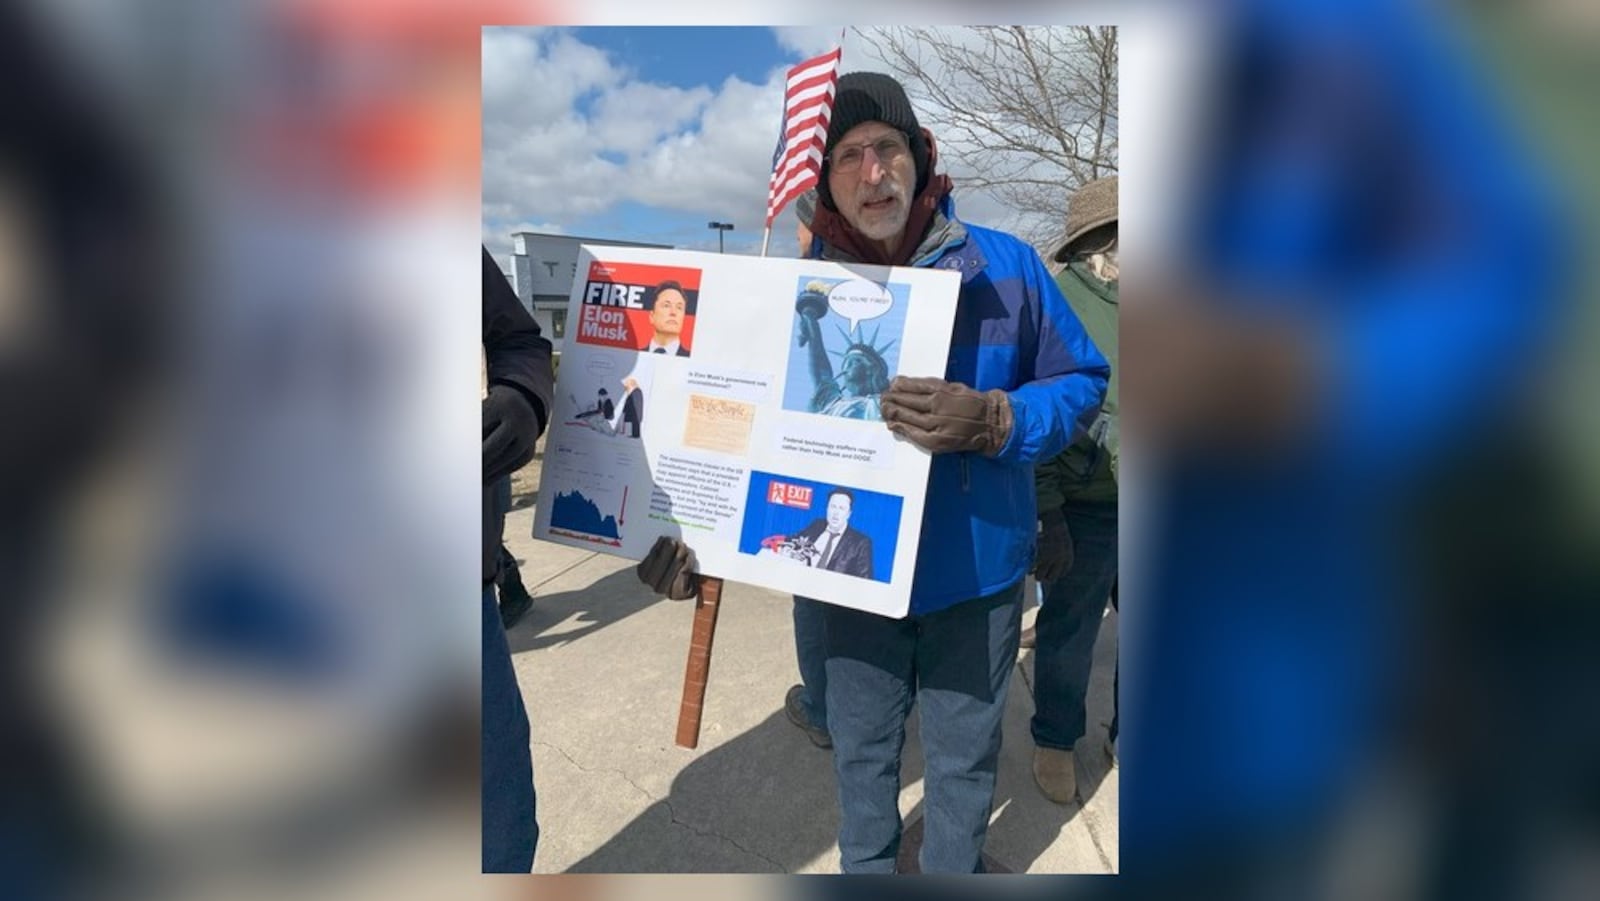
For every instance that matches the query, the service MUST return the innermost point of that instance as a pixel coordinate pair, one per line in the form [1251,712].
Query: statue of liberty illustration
[863,373]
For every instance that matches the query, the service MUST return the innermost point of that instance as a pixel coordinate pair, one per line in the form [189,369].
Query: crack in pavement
[593,770]
[672,813]
[673,817]
[1094,839]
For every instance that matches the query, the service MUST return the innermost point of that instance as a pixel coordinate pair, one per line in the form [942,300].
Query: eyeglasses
[889,150]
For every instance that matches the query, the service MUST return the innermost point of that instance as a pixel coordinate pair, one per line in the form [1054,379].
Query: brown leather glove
[947,417]
[669,569]
[1054,557]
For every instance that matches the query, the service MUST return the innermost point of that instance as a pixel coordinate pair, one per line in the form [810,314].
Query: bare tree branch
[1025,114]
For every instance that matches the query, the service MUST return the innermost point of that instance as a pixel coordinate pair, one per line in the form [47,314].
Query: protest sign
[732,402]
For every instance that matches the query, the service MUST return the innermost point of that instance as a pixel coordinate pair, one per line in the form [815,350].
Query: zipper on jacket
[966,480]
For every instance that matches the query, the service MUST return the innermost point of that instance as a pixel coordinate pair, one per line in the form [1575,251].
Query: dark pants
[509,580]
[1116,683]
[1069,622]
[957,665]
[507,577]
[811,654]
[509,830]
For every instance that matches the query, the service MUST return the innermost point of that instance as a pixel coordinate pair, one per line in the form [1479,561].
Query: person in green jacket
[1076,561]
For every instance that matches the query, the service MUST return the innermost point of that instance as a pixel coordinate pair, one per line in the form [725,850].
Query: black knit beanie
[872,97]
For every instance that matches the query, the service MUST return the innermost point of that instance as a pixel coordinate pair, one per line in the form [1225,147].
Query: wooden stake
[699,665]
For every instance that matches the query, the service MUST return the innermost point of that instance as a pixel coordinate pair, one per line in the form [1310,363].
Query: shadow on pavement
[600,604]
[764,802]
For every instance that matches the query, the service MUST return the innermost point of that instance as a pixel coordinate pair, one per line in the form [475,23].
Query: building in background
[542,269]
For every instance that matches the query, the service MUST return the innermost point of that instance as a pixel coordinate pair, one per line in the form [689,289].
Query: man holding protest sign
[1022,379]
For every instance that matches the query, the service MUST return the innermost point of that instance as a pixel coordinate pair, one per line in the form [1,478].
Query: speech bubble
[859,300]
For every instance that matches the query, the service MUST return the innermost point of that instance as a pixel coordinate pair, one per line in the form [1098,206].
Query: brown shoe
[797,715]
[1053,770]
[1028,637]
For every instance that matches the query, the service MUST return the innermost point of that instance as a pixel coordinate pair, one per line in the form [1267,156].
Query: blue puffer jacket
[1013,331]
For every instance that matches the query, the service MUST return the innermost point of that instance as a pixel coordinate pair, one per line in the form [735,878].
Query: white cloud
[807,41]
[637,115]
[553,172]
[532,76]
[538,155]
[570,132]
[722,168]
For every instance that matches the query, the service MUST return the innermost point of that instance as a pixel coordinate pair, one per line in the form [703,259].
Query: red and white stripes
[807,107]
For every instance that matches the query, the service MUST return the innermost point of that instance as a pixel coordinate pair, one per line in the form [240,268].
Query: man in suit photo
[836,546]
[668,307]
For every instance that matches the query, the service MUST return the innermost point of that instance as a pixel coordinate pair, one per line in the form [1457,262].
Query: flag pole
[697,670]
[765,236]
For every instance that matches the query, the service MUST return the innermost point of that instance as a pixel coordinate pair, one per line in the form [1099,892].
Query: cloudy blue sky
[644,134]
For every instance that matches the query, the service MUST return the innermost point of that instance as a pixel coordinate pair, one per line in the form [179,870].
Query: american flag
[807,106]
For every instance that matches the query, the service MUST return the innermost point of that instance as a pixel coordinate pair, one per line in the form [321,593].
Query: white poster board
[731,401]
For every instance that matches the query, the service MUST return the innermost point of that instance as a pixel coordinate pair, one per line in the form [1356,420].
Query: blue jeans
[1067,625]
[510,832]
[811,654]
[957,665]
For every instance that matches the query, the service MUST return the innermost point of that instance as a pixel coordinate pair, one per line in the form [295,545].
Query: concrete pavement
[601,662]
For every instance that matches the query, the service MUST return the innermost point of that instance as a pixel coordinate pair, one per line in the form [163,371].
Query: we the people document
[732,401]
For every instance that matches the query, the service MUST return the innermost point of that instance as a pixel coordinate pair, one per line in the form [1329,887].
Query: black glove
[947,417]
[510,428]
[1054,557]
[669,569]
